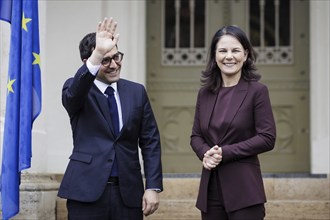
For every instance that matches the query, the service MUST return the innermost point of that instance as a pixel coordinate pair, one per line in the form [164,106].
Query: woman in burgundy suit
[233,124]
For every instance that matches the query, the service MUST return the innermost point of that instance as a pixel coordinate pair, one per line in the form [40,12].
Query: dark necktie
[115,122]
[113,109]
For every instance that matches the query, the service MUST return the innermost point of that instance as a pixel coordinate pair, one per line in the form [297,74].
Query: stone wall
[38,194]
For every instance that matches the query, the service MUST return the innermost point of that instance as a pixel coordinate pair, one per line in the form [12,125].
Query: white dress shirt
[93,69]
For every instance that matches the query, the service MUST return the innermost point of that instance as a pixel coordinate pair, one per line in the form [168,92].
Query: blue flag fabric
[5,10]
[23,102]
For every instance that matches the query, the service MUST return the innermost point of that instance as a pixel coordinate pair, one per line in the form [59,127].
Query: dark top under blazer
[94,142]
[249,129]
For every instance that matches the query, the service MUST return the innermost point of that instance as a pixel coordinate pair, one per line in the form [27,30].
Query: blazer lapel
[235,103]
[207,108]
[103,105]
[125,102]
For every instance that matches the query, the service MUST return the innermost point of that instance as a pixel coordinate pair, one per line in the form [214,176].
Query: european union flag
[23,103]
[5,10]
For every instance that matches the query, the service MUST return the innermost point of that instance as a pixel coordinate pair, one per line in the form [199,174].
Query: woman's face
[230,56]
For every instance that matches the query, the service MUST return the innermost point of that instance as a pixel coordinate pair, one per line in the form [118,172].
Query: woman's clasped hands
[212,157]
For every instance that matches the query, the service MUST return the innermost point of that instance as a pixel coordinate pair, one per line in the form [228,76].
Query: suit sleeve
[150,145]
[75,90]
[197,141]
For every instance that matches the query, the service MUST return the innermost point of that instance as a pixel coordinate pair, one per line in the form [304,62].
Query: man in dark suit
[103,179]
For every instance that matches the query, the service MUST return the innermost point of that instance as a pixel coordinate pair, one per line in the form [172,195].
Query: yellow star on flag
[36,58]
[10,85]
[25,21]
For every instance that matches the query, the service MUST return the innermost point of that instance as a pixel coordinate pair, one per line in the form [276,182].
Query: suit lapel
[207,104]
[210,101]
[235,103]
[125,102]
[103,105]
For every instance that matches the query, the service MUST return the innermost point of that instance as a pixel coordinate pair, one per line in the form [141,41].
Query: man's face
[109,71]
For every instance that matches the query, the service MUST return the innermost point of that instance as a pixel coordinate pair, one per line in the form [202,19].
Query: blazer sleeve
[197,140]
[261,137]
[75,90]
[149,142]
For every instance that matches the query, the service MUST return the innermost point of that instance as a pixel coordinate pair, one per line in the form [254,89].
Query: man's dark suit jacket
[95,145]
[248,129]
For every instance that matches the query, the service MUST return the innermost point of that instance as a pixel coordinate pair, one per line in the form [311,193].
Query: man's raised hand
[106,39]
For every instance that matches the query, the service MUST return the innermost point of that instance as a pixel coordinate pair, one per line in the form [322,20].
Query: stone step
[275,210]
[276,188]
[297,210]
[288,199]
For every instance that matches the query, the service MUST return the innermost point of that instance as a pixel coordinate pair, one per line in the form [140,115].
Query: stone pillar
[38,193]
[319,85]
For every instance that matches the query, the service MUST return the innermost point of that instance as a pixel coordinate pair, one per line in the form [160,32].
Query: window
[184,32]
[270,30]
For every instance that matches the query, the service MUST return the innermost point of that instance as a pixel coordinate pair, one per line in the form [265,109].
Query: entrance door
[178,36]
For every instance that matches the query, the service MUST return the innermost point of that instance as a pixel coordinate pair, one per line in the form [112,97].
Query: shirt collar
[103,86]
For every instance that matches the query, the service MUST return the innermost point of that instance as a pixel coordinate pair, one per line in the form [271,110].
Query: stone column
[319,84]
[38,193]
